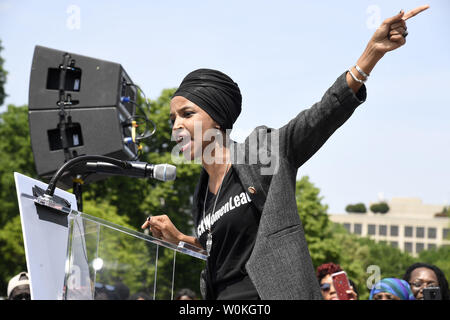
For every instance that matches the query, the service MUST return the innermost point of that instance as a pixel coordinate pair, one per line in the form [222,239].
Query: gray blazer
[280,265]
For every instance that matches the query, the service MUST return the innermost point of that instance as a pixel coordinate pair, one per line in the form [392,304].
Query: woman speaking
[244,207]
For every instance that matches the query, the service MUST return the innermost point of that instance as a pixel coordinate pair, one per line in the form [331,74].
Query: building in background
[409,225]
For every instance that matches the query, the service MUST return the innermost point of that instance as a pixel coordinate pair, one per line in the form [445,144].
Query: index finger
[415,12]
[145,225]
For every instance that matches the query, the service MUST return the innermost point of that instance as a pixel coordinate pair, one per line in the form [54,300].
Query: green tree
[356,208]
[381,207]
[12,252]
[317,225]
[16,155]
[3,74]
[445,213]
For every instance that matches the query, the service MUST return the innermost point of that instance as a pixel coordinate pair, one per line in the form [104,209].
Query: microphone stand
[77,182]
[77,191]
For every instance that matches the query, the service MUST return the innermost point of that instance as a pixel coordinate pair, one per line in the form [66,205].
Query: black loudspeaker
[78,106]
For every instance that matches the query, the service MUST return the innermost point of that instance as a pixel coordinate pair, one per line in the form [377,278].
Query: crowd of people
[418,278]
[420,281]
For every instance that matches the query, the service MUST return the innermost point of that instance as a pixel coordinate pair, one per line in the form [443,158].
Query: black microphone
[162,172]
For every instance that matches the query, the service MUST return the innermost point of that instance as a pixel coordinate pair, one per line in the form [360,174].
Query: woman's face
[422,278]
[327,288]
[192,127]
[385,296]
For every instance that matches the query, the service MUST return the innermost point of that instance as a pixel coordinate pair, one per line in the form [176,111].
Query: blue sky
[284,55]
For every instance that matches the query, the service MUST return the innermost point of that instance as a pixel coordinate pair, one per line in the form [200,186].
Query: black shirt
[234,226]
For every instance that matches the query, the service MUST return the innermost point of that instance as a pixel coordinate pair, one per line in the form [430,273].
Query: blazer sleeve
[303,136]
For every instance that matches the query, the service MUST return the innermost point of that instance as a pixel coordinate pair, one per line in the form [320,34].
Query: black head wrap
[215,92]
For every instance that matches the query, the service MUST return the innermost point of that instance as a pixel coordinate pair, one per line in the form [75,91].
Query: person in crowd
[244,206]
[327,288]
[105,292]
[19,287]
[391,289]
[122,290]
[140,296]
[185,294]
[423,275]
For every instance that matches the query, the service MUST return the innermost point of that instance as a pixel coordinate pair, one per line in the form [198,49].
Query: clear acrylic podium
[75,256]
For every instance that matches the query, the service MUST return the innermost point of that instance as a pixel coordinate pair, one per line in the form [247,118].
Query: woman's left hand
[392,32]
[162,228]
[389,36]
